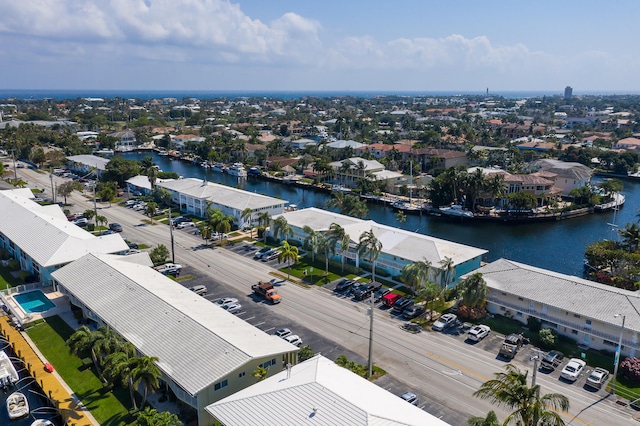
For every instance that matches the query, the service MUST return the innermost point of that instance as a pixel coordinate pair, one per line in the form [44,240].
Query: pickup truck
[266,290]
[511,345]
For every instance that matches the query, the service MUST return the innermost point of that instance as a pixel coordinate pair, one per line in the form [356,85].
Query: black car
[344,285]
[402,304]
[133,245]
[413,311]
[115,227]
[376,286]
[551,360]
[363,291]
[380,293]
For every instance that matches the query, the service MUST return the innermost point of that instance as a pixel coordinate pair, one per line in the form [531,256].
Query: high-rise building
[568,92]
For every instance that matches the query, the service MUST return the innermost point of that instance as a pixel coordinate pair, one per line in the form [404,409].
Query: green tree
[547,338]
[152,417]
[490,420]
[305,353]
[159,254]
[447,269]
[150,170]
[150,209]
[416,273]
[247,217]
[289,254]
[260,373]
[510,390]
[312,240]
[65,189]
[337,235]
[106,191]
[429,292]
[119,169]
[89,214]
[473,290]
[630,235]
[81,342]
[264,221]
[521,201]
[281,228]
[119,366]
[370,247]
[400,216]
[147,373]
[205,232]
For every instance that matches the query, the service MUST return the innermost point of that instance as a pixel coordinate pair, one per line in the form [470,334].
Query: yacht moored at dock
[237,169]
[456,210]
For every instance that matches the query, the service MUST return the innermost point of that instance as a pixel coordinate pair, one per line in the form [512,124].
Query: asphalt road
[441,368]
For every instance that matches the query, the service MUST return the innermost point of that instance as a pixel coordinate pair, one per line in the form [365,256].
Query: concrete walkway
[73,412]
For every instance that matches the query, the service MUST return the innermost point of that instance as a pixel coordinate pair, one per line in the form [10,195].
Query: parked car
[380,293]
[81,222]
[597,378]
[444,322]
[413,312]
[133,245]
[232,308]
[273,254]
[478,332]
[226,300]
[177,220]
[261,252]
[551,360]
[344,285]
[411,398]
[573,369]
[169,269]
[183,225]
[130,203]
[363,291]
[132,251]
[283,332]
[294,339]
[511,345]
[115,227]
[199,290]
[402,304]
[390,299]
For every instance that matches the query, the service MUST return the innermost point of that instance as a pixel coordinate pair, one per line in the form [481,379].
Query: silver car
[232,308]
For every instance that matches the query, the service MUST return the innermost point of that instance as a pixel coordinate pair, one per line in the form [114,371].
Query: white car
[232,308]
[411,398]
[169,269]
[573,369]
[182,225]
[478,332]
[283,332]
[226,300]
[294,339]
[444,322]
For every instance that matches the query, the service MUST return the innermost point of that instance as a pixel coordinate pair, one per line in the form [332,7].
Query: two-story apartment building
[589,312]
[448,260]
[194,196]
[42,239]
[204,352]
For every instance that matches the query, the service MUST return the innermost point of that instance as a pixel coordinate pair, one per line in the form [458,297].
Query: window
[241,375]
[220,385]
[576,315]
[502,308]
[588,322]
[518,314]
[520,298]
[574,331]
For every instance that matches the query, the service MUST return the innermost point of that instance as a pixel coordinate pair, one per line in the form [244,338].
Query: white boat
[17,405]
[8,373]
[42,422]
[204,164]
[455,210]
[218,167]
[237,169]
[406,207]
[163,153]
[340,188]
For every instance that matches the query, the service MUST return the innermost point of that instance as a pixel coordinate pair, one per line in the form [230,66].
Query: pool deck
[22,317]
[74,413]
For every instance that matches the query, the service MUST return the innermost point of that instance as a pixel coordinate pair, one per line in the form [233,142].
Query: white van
[200,290]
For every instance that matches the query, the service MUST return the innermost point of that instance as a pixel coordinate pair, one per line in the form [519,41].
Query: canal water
[558,246]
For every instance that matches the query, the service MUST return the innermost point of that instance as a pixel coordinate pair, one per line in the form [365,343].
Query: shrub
[305,353]
[24,276]
[14,265]
[4,254]
[466,312]
[534,324]
[547,338]
[630,369]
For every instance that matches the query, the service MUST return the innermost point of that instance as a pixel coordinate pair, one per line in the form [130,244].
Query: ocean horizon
[40,94]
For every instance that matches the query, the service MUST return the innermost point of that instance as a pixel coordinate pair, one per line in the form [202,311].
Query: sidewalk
[73,412]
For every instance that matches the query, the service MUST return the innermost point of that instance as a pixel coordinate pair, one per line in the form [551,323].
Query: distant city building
[568,92]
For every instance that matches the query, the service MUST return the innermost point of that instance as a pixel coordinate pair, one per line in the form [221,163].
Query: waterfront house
[432,158]
[195,195]
[298,144]
[125,140]
[630,144]
[574,307]
[320,390]
[204,352]
[359,168]
[399,247]
[42,239]
[569,176]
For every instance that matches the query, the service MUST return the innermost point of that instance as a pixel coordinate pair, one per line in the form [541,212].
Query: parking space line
[266,330]
[258,324]
[248,319]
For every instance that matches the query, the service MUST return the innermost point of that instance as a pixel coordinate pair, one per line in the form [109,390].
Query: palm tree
[429,292]
[150,170]
[416,273]
[510,389]
[146,372]
[337,201]
[490,420]
[205,232]
[473,290]
[630,235]
[81,341]
[119,366]
[150,209]
[337,235]
[289,254]
[325,246]
[281,228]
[370,247]
[101,220]
[260,373]
[89,214]
[400,216]
[313,238]
[446,269]
[247,216]
[264,220]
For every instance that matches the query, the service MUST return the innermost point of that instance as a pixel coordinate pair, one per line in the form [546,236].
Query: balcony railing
[586,328]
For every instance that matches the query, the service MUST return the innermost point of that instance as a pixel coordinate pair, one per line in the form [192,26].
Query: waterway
[558,246]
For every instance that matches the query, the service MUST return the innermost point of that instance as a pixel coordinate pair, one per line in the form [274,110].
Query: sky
[321,45]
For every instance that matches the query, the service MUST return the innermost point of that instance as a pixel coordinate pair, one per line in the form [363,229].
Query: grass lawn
[317,277]
[109,408]
[626,389]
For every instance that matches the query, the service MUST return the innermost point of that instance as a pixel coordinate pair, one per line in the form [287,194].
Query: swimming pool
[33,301]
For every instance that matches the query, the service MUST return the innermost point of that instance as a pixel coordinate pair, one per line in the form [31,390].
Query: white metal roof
[318,392]
[395,241]
[90,161]
[222,194]
[197,342]
[45,234]
[572,294]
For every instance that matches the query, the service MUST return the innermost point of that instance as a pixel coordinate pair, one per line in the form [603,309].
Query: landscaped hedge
[630,369]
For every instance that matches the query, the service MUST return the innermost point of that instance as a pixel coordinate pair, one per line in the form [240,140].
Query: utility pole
[53,194]
[535,359]
[371,335]
[173,252]
[617,357]
[15,171]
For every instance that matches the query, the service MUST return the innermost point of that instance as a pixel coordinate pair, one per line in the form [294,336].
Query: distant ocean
[210,94]
[230,94]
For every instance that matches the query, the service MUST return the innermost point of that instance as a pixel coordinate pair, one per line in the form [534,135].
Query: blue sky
[409,45]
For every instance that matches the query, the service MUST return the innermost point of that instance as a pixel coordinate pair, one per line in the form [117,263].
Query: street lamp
[617,357]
